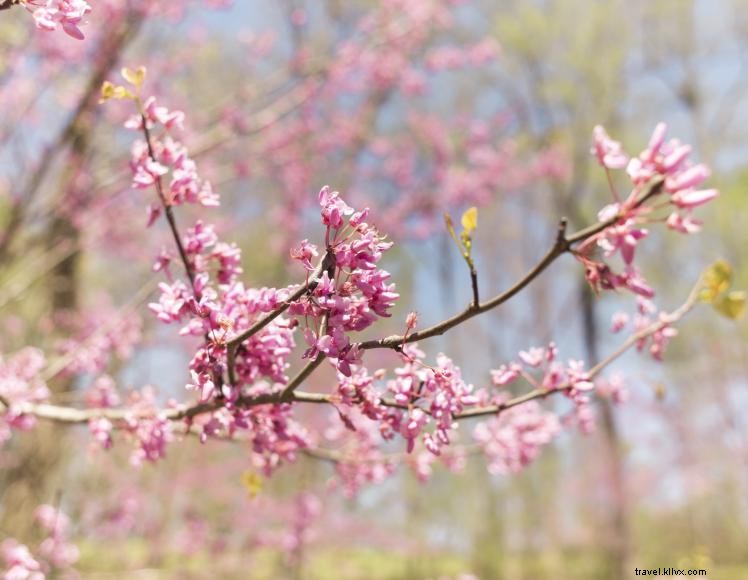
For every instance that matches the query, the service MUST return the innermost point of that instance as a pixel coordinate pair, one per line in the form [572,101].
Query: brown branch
[168,211]
[474,284]
[71,415]
[110,48]
[664,320]
[561,245]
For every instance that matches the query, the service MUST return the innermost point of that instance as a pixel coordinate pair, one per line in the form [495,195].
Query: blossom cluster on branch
[51,15]
[359,109]
[249,338]
[248,335]
[673,199]
[55,554]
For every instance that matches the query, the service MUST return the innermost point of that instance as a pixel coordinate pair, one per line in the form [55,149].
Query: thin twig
[188,268]
[561,245]
[649,330]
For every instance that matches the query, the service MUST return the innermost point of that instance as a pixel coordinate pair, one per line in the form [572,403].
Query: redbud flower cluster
[55,553]
[662,173]
[53,14]
[352,292]
[20,383]
[248,334]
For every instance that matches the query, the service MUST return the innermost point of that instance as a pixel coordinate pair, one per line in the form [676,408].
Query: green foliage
[716,291]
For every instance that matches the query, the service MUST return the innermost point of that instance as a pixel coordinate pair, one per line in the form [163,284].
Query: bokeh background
[413,107]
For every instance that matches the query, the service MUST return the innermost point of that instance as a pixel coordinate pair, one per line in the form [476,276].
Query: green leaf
[252,483]
[110,91]
[470,220]
[717,279]
[134,77]
[732,305]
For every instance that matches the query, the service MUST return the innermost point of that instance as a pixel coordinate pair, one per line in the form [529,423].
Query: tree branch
[562,244]
[168,211]
[109,49]
[664,320]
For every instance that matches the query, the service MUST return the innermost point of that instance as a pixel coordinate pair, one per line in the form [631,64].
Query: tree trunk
[618,536]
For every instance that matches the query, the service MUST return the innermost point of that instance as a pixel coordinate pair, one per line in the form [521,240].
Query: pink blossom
[333,208]
[21,564]
[305,252]
[684,224]
[20,383]
[514,438]
[613,388]
[65,14]
[413,426]
[532,357]
[623,236]
[688,198]
[506,374]
[691,177]
[608,152]
[102,394]
[620,320]
[101,431]
[151,432]
[172,304]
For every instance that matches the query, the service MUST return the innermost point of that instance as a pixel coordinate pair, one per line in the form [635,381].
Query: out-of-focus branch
[111,47]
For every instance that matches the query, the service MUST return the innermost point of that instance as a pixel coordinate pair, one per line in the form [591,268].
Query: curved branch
[562,244]
[664,320]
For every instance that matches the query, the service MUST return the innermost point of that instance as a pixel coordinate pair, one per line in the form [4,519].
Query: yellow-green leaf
[470,220]
[107,91]
[110,91]
[732,305]
[134,77]
[252,483]
[717,279]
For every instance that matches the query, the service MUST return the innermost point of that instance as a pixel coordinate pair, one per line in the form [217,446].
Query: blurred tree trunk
[618,526]
[34,470]
[489,542]
[34,478]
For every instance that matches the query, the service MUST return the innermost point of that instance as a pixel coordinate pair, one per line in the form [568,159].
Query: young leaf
[252,482]
[717,279]
[732,305]
[110,91]
[470,220]
[134,77]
